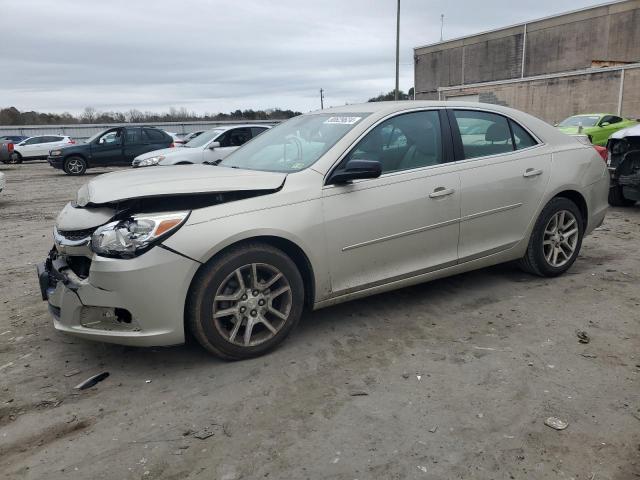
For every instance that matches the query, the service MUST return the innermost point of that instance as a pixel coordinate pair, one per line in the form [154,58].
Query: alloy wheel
[75,166]
[252,304]
[560,238]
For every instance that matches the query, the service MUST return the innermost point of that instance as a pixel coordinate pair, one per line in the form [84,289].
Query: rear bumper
[138,302]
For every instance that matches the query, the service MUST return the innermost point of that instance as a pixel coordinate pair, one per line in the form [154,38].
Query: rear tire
[555,240]
[15,158]
[75,166]
[616,198]
[235,317]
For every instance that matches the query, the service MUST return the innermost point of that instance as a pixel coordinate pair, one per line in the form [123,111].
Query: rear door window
[133,136]
[483,133]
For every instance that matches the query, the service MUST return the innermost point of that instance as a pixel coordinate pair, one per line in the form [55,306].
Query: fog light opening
[123,315]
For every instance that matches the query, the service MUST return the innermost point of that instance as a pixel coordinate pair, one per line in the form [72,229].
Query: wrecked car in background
[623,160]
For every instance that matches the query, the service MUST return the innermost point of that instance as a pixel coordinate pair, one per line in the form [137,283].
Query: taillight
[172,145]
[73,142]
[10,147]
[602,151]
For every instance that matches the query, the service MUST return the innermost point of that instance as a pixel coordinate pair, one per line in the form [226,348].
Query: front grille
[76,234]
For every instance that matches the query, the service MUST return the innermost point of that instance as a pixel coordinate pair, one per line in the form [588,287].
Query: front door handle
[532,172]
[441,192]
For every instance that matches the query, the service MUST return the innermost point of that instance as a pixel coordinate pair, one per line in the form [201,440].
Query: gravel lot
[446,380]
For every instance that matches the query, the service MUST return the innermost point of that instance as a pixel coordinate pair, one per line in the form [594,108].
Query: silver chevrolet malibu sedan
[327,207]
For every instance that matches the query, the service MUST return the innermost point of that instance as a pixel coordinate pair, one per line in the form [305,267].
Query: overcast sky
[219,55]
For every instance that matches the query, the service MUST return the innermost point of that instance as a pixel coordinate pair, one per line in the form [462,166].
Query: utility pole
[397,90]
[321,99]
[441,24]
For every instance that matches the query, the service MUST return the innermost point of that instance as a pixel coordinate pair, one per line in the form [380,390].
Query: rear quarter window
[156,136]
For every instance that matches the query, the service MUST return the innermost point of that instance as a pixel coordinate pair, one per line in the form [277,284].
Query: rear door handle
[532,172]
[441,192]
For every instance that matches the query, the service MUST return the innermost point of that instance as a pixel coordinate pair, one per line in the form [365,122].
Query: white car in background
[38,147]
[212,145]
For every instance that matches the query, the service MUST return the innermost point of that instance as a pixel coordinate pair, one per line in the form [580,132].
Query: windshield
[204,138]
[295,144]
[584,120]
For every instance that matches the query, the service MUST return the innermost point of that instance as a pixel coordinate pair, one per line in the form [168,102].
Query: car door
[107,149]
[604,131]
[134,144]
[405,222]
[504,171]
[30,147]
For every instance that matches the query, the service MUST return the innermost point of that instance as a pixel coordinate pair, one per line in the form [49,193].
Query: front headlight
[151,161]
[55,153]
[136,234]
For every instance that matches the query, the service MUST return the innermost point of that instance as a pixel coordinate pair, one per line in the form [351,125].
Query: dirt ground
[448,380]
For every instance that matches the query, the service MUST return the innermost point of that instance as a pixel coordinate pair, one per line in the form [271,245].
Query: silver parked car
[326,207]
[210,146]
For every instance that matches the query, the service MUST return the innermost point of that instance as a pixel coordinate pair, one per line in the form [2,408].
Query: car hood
[170,152]
[627,132]
[178,180]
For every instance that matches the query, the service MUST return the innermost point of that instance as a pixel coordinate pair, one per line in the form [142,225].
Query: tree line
[13,116]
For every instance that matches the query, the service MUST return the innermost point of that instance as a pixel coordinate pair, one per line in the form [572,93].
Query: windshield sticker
[297,166]
[343,120]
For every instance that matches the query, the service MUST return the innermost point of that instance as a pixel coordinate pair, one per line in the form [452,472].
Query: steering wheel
[297,143]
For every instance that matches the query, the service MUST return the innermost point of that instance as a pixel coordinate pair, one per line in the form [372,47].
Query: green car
[597,126]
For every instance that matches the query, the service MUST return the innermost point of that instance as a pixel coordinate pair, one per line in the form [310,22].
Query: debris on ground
[582,336]
[71,373]
[556,423]
[589,355]
[91,381]
[358,393]
[204,433]
[433,429]
[405,375]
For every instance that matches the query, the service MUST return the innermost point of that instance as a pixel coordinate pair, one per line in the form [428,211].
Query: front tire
[245,302]
[617,199]
[75,166]
[556,239]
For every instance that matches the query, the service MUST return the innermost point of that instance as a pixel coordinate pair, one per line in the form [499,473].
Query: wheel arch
[577,198]
[289,247]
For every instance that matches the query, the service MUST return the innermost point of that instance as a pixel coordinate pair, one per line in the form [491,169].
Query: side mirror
[213,145]
[605,124]
[355,170]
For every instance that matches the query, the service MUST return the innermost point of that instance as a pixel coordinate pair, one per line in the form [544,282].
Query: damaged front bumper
[138,301]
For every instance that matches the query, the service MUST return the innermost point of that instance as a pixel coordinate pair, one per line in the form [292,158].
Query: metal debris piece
[91,381]
[582,336]
[556,423]
[434,429]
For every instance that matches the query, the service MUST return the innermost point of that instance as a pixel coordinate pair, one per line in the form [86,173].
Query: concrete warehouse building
[579,62]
